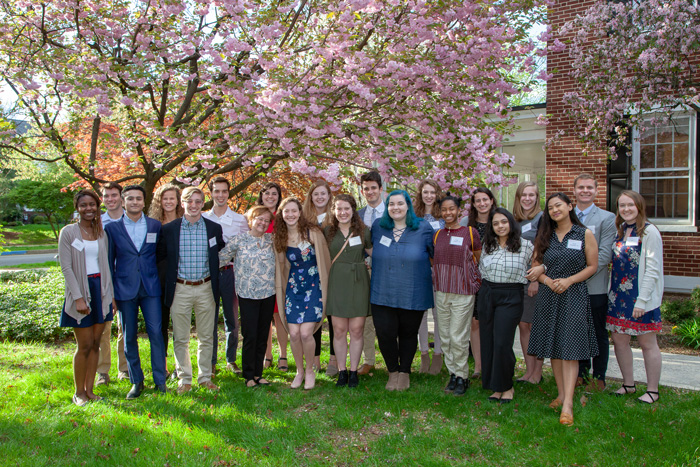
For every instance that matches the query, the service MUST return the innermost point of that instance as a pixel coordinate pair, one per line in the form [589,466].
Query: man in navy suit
[191,245]
[132,261]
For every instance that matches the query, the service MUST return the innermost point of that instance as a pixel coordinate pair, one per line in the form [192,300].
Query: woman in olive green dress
[349,241]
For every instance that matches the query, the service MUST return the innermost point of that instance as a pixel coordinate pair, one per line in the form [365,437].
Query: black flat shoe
[161,388]
[136,391]
[353,379]
[653,395]
[342,378]
[451,384]
[628,390]
[461,386]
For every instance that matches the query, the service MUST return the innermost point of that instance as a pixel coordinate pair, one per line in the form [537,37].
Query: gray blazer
[602,223]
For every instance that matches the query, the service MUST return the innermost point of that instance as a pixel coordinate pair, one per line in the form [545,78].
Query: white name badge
[526,228]
[212,241]
[78,244]
[486,260]
[574,244]
[226,220]
[591,228]
[632,241]
[151,237]
[321,217]
[354,241]
[456,241]
[386,241]
[435,225]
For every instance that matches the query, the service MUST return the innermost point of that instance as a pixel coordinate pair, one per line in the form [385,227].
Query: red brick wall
[565,159]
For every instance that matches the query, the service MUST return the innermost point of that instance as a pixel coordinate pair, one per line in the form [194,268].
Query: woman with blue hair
[401,284]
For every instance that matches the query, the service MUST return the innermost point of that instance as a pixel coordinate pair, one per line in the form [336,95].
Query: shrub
[40,219]
[689,332]
[30,305]
[677,311]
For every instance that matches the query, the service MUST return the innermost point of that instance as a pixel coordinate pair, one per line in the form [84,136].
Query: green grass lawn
[30,234]
[325,426]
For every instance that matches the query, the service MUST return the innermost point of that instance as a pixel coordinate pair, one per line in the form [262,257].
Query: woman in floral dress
[637,285]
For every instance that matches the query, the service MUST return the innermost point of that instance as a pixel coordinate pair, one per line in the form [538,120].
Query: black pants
[397,334]
[599,309]
[500,308]
[317,338]
[255,327]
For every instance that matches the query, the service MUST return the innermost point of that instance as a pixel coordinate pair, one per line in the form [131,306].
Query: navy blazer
[130,267]
[169,250]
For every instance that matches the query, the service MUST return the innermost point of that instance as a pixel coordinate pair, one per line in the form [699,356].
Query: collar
[586,211]
[127,219]
[228,213]
[189,224]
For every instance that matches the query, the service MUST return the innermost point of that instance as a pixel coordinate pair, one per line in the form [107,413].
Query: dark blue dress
[303,296]
[624,290]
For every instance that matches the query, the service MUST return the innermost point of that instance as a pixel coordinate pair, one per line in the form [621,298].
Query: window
[663,170]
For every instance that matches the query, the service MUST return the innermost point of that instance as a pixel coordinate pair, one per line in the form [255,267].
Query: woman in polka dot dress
[566,254]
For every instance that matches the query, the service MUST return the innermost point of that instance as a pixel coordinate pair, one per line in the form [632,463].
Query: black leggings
[397,334]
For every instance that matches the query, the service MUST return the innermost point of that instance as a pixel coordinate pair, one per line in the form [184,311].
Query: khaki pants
[104,362]
[201,299]
[454,316]
[369,336]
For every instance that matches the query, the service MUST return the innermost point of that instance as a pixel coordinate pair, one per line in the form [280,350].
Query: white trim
[677,228]
[680,284]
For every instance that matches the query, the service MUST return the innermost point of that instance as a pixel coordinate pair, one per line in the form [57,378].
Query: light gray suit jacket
[602,223]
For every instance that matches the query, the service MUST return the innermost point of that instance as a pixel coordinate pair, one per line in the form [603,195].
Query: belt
[229,266]
[92,276]
[199,282]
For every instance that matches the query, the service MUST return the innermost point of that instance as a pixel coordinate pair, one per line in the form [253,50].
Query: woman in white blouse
[254,269]
[504,261]
[82,253]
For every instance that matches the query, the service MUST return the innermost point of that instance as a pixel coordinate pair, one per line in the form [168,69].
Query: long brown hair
[96,223]
[281,235]
[473,214]
[547,226]
[641,206]
[309,208]
[419,205]
[156,210]
[518,212]
[357,227]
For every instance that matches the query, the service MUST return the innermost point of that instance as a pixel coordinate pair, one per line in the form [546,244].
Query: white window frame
[692,157]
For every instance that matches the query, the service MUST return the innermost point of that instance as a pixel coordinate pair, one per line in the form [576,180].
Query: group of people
[373,272]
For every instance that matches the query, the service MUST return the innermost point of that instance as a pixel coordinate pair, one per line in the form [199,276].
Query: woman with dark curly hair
[87,308]
[301,280]
[348,284]
[505,259]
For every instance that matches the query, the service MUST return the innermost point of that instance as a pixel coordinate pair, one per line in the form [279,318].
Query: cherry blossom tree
[197,88]
[631,60]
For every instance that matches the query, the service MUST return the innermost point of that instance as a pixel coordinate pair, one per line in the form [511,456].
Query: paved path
[13,260]
[678,371]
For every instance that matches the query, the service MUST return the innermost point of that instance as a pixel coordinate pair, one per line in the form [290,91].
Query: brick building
[662,166]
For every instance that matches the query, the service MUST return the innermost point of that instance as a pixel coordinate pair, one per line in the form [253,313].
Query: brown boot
[436,365]
[404,382]
[424,362]
[365,369]
[393,381]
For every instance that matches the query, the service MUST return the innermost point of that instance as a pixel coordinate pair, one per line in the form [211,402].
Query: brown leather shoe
[580,382]
[595,385]
[391,385]
[365,369]
[183,388]
[209,385]
[404,382]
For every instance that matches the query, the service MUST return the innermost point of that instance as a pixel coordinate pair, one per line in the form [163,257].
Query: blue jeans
[150,307]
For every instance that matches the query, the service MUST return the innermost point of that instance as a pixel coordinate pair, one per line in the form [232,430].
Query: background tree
[189,89]
[631,59]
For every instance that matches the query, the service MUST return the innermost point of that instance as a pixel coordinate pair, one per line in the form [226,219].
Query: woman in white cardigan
[637,285]
[82,252]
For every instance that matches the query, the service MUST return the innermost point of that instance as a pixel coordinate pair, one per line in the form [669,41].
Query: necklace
[89,235]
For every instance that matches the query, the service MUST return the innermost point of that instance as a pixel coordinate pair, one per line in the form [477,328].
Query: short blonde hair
[189,191]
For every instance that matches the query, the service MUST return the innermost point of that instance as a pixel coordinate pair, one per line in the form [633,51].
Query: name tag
[632,241]
[486,260]
[574,244]
[526,228]
[435,225]
[78,244]
[226,220]
[456,241]
[321,217]
[304,245]
[212,241]
[151,237]
[386,241]
[354,241]
[591,228]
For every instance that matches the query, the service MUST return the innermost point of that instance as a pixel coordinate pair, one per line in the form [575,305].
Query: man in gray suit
[602,224]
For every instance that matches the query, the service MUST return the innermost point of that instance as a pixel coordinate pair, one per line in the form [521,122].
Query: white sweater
[650,280]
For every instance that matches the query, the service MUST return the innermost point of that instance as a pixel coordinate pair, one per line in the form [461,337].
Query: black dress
[562,327]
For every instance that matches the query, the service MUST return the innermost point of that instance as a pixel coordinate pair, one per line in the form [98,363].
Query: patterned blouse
[253,264]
